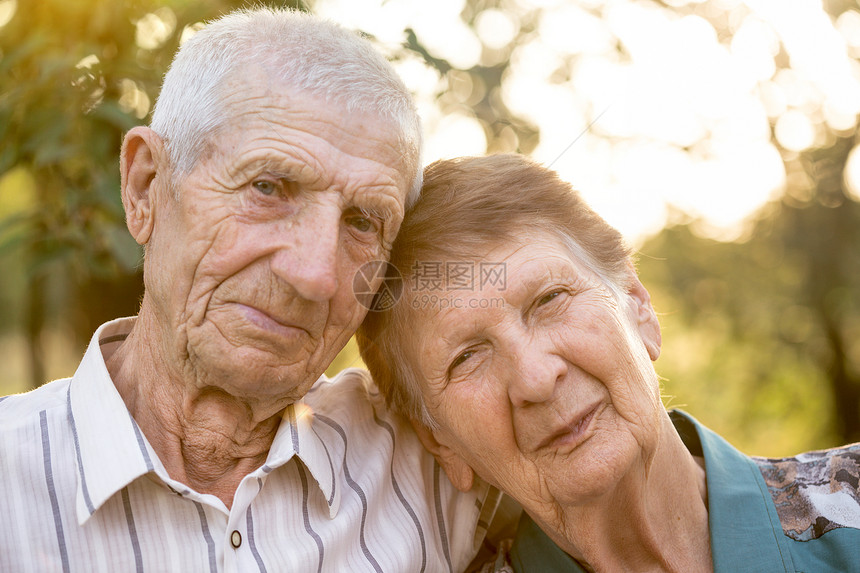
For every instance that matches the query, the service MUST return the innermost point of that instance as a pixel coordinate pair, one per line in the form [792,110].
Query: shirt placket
[238,536]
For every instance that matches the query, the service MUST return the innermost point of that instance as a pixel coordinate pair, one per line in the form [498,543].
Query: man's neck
[206,438]
[655,521]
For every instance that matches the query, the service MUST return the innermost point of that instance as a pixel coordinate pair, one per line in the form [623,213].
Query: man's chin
[254,373]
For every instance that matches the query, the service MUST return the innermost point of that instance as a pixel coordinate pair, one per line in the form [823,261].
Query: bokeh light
[642,109]
[852,173]
[7,11]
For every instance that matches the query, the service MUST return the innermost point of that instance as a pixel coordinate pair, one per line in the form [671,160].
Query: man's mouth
[268,322]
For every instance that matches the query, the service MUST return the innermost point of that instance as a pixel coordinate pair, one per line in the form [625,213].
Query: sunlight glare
[495,28]
[816,48]
[385,21]
[7,11]
[87,62]
[439,27]
[772,98]
[531,4]
[754,46]
[683,116]
[189,31]
[420,79]
[155,28]
[852,173]
[794,131]
[133,99]
[848,24]
[453,135]
[572,30]
[738,182]
[682,3]
[604,83]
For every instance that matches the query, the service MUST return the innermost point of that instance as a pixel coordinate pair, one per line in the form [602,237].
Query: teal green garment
[746,533]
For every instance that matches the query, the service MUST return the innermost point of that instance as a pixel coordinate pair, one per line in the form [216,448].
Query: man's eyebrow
[382,214]
[242,171]
[278,166]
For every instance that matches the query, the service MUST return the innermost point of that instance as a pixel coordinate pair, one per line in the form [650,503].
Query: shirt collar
[111,450]
[532,547]
[297,435]
[745,527]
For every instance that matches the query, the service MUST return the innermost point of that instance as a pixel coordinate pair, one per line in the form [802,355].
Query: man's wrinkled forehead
[254,93]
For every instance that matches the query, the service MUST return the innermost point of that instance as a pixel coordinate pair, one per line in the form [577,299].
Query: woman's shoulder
[815,492]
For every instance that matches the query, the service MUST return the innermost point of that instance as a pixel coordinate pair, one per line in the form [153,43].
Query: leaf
[109,112]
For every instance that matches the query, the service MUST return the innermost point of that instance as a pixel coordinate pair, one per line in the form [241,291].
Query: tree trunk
[34,326]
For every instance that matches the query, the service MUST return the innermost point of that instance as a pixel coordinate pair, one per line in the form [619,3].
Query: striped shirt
[346,487]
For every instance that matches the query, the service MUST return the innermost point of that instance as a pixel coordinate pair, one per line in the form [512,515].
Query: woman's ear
[141,160]
[646,318]
[456,468]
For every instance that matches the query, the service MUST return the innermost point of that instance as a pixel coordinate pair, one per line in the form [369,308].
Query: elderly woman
[521,349]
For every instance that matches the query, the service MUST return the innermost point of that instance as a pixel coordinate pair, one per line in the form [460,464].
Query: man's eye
[265,186]
[361,222]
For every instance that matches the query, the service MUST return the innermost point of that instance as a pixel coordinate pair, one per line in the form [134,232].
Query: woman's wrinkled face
[541,383]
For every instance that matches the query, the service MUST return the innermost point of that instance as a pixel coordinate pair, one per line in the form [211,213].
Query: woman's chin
[595,472]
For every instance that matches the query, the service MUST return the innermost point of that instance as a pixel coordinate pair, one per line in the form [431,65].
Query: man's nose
[308,259]
[534,375]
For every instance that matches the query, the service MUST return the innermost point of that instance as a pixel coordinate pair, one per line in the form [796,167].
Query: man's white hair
[310,54]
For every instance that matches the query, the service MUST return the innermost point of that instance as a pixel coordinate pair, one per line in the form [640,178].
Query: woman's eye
[461,359]
[548,297]
[265,186]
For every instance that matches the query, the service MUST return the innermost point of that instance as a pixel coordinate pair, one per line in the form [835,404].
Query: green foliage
[476,90]
[74,76]
[760,334]
[73,80]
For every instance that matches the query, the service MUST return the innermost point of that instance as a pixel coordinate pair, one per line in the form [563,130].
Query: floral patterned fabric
[815,492]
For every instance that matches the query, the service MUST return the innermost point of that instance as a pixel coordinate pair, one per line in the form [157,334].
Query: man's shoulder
[815,492]
[21,409]
[23,419]
[352,391]
[350,401]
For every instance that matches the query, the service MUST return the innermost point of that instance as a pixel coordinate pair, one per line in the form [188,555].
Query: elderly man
[197,436]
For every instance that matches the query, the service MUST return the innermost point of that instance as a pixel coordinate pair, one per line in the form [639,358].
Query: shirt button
[236,539]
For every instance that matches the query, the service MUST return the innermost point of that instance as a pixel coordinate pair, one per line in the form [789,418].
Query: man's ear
[646,318]
[142,159]
[458,471]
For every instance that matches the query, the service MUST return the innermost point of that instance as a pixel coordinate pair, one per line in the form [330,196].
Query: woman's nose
[534,375]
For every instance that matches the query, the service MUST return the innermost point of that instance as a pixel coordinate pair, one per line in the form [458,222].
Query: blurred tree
[790,289]
[785,298]
[476,90]
[823,235]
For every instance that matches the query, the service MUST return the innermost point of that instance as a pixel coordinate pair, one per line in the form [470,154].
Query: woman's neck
[656,519]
